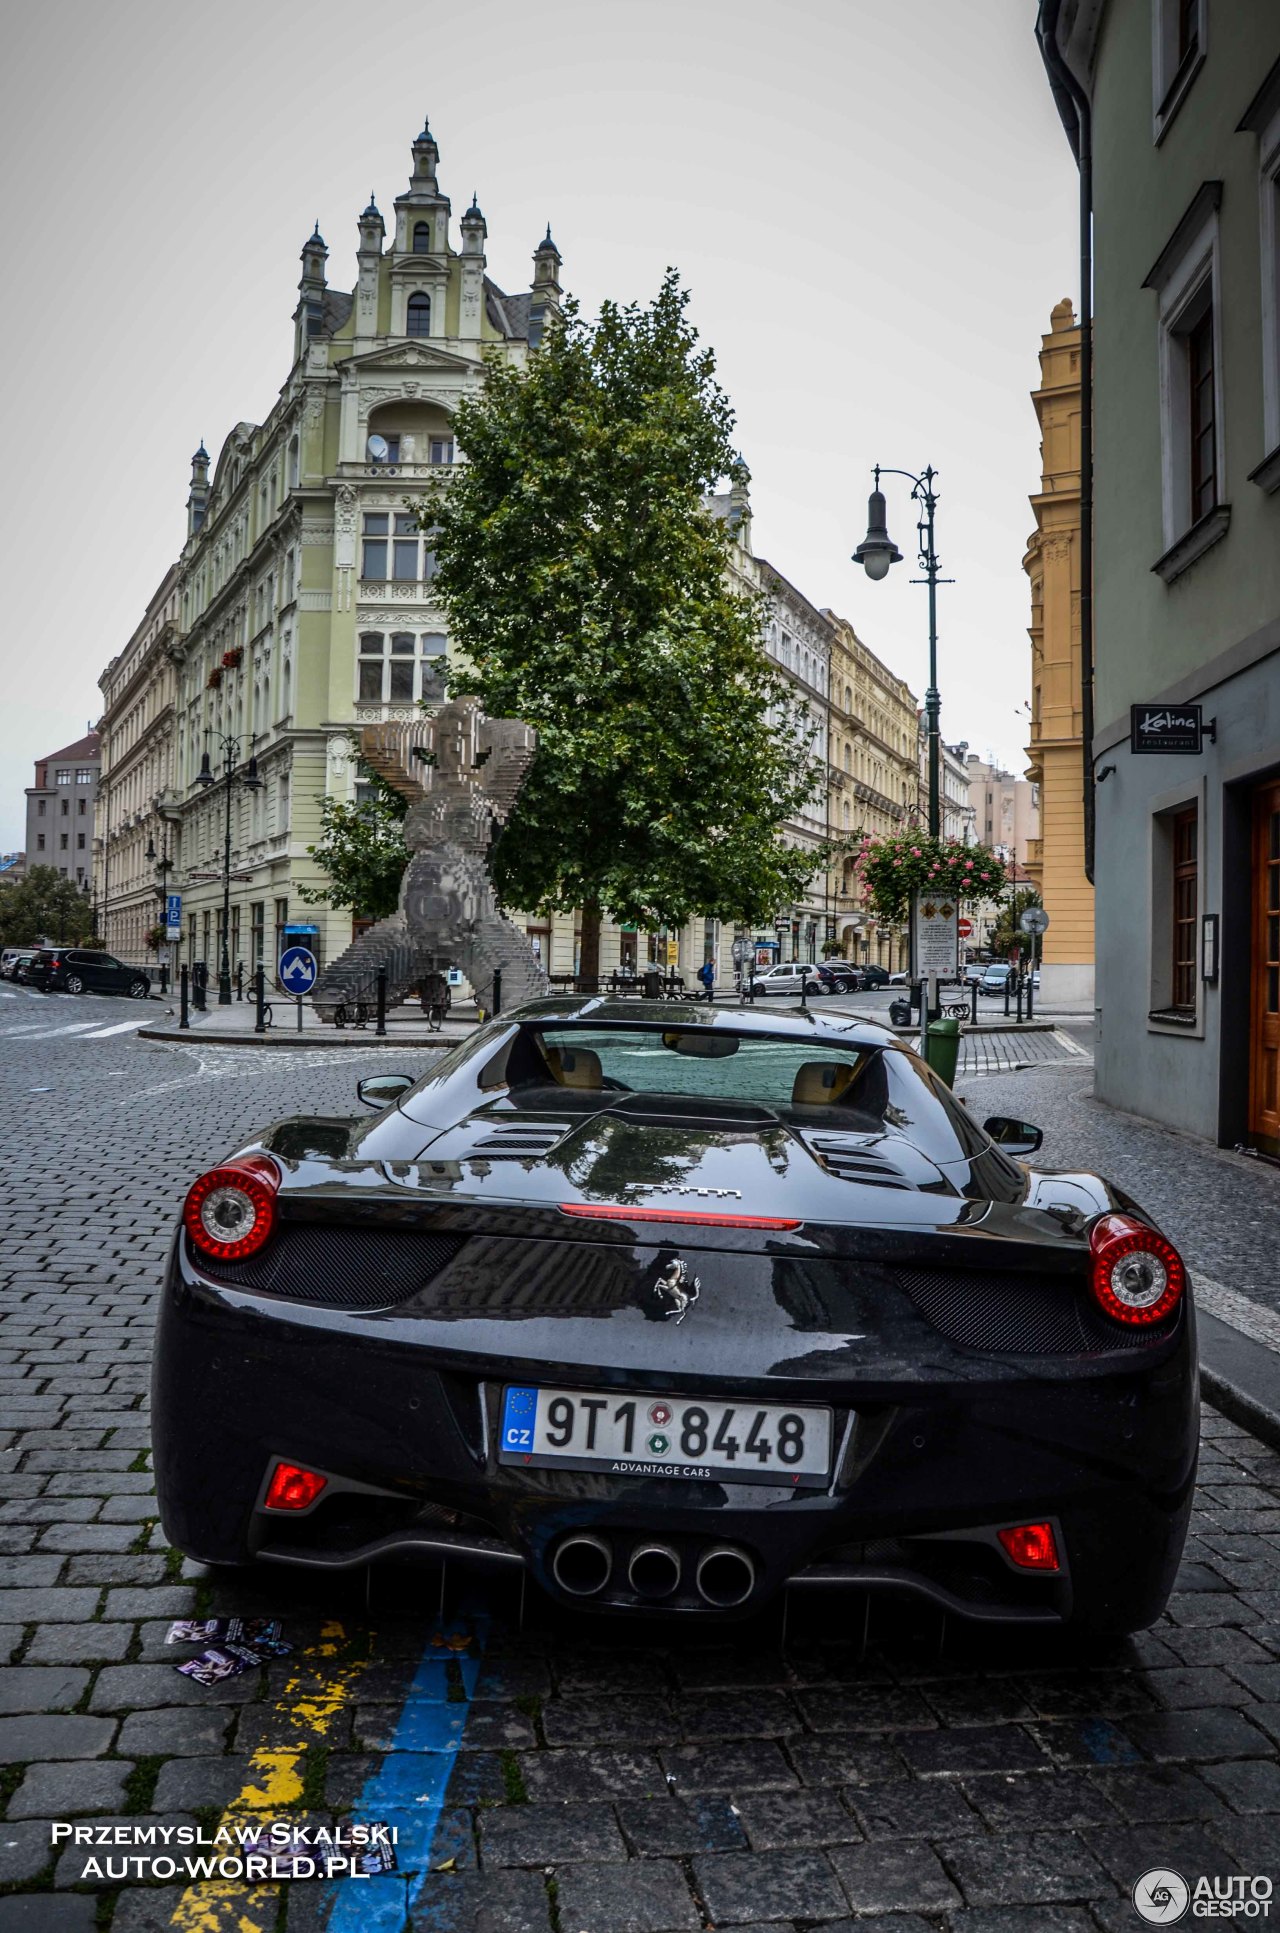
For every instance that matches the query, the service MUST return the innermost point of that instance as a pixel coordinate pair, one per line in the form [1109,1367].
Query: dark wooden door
[1264,1029]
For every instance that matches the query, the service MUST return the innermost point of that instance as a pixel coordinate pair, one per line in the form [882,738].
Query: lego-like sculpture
[460,772]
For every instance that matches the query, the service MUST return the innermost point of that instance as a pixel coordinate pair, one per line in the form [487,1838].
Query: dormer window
[418,316]
[422,238]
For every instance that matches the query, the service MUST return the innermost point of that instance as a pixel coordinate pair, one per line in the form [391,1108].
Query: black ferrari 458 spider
[678,1308]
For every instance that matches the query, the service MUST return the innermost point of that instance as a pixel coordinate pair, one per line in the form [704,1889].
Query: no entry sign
[965,929]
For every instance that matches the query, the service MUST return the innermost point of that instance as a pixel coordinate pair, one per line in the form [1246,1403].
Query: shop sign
[1166,728]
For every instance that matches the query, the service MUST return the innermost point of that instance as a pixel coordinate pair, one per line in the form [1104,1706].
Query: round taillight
[230,1212]
[1137,1276]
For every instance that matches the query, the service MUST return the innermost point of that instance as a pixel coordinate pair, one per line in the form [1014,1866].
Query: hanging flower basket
[215,677]
[231,659]
[891,869]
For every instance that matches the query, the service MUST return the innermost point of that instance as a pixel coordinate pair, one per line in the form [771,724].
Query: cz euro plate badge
[665,1436]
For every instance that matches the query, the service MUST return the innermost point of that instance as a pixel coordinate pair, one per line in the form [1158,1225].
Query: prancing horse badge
[674,1290]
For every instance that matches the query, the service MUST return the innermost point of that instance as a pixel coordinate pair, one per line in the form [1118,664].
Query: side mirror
[380,1090]
[1015,1137]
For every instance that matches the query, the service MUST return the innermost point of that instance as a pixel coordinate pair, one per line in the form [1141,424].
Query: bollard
[1008,978]
[199,981]
[497,989]
[1019,999]
[381,1027]
[973,1001]
[1031,988]
[184,1016]
[260,996]
[239,979]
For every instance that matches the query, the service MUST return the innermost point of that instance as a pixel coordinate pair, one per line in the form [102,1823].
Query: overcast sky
[873,205]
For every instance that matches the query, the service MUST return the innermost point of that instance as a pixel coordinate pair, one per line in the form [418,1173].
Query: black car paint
[934,1439]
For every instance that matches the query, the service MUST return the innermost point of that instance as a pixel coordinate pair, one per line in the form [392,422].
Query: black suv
[61,969]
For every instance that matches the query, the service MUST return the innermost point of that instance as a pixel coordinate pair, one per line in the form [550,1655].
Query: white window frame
[1182,278]
[1171,84]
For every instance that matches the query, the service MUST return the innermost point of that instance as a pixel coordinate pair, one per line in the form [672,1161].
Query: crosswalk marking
[121,1027]
[50,1033]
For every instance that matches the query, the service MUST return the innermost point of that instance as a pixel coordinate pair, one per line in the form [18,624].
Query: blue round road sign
[297,969]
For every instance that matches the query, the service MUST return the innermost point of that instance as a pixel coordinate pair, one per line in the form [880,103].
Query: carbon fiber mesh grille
[1019,1315]
[342,1268]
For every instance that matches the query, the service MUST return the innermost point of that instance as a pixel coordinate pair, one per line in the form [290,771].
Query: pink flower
[915,852]
[968,865]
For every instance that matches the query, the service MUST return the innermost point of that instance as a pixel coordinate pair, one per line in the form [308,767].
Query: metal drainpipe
[1065,84]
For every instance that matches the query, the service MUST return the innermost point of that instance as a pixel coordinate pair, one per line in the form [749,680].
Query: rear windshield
[711,1064]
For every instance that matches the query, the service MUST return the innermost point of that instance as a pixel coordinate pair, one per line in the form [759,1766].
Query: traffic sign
[297,970]
[965,929]
[173,916]
[1034,920]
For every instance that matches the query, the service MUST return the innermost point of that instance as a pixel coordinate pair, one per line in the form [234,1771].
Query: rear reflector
[1030,1546]
[293,1488]
[1137,1277]
[691,1217]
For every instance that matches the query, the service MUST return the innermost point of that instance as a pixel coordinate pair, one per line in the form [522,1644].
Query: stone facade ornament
[461,773]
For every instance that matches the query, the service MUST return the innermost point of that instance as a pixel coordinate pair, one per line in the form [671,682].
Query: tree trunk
[589,955]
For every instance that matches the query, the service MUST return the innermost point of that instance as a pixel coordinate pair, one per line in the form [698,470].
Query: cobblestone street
[549,1775]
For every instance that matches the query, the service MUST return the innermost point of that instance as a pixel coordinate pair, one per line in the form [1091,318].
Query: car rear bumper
[926,1471]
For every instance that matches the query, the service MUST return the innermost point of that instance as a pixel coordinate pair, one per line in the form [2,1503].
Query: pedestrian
[707,975]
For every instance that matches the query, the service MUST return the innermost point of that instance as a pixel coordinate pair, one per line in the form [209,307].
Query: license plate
[665,1436]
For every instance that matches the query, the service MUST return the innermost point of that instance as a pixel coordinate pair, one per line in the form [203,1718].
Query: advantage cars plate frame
[658,1429]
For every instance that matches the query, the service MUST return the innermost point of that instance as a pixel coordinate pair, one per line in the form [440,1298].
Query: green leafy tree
[362,850]
[585,581]
[44,905]
[1006,934]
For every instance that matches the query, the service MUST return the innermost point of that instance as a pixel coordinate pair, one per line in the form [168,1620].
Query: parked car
[22,966]
[837,976]
[874,975]
[974,971]
[787,977]
[995,977]
[898,980]
[60,969]
[9,960]
[362,1355]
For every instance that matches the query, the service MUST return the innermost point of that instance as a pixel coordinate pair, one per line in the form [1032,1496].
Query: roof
[508,313]
[87,747]
[336,309]
[606,1010]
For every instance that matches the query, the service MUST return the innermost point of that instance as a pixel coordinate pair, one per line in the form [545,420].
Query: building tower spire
[198,500]
[546,287]
[308,317]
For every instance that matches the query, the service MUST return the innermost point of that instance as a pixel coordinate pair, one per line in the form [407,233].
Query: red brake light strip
[690,1216]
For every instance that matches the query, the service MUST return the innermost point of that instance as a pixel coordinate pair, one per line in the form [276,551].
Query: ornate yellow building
[874,781]
[1055,860]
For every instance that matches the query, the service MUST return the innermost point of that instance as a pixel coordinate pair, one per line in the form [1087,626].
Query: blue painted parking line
[408,1790]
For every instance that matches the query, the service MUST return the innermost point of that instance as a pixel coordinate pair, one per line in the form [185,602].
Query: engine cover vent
[851,1159]
[521,1140]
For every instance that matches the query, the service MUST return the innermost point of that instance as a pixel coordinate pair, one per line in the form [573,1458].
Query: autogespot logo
[1161,1896]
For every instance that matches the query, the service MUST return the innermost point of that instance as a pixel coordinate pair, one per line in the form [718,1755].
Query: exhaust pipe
[654,1571]
[582,1564]
[725,1576]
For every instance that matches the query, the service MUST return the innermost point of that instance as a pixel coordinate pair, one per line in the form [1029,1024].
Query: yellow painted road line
[322,1682]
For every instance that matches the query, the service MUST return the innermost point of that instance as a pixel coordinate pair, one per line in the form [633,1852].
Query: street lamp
[876,553]
[249,780]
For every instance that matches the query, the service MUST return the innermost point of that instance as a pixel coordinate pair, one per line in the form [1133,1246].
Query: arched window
[418,317]
[422,238]
[848,760]
[848,697]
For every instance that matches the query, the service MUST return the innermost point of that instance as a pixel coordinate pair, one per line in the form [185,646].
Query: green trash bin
[942,1047]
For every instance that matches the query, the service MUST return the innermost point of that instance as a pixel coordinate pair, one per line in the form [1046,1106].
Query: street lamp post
[230,743]
[162,866]
[876,553]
